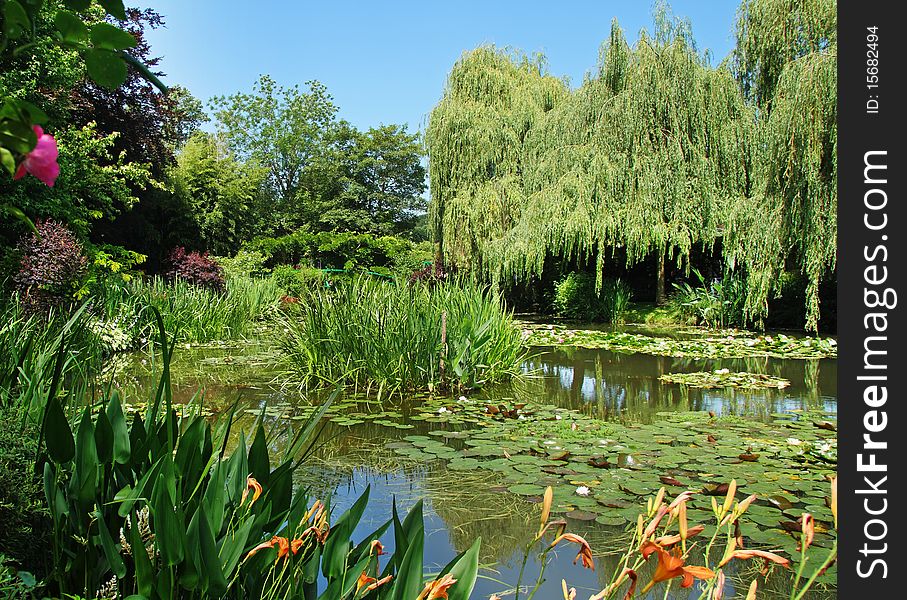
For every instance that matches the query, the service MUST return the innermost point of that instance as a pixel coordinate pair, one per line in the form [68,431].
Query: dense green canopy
[655,152]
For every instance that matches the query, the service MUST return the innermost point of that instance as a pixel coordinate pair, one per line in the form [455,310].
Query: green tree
[374,181]
[220,193]
[285,131]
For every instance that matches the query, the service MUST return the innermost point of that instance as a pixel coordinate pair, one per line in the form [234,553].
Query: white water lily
[558,417]
[442,410]
[462,398]
[794,441]
[582,491]
[722,371]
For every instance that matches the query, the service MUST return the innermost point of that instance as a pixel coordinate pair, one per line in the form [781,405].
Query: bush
[295,282]
[575,298]
[197,269]
[246,263]
[719,303]
[329,250]
[391,338]
[24,518]
[51,269]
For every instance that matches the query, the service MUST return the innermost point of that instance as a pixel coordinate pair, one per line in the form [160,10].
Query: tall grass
[390,338]
[32,345]
[190,312]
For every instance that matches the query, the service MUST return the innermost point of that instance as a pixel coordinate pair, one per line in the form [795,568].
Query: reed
[389,338]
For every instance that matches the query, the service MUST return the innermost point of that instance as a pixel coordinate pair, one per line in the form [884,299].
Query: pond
[393,447]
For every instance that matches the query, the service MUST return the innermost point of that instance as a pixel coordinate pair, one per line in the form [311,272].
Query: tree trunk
[660,279]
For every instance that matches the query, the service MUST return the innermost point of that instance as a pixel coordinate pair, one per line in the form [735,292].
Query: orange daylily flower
[376,549]
[376,584]
[808,528]
[747,554]
[605,593]
[834,499]
[251,484]
[568,594]
[437,588]
[718,592]
[671,565]
[364,581]
[751,594]
[585,550]
[653,524]
[669,540]
[282,543]
[295,545]
[547,499]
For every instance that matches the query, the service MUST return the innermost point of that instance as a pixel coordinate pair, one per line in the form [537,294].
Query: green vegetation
[390,338]
[654,158]
[722,378]
[701,343]
[575,297]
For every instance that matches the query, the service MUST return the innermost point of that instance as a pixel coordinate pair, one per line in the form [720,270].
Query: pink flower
[42,161]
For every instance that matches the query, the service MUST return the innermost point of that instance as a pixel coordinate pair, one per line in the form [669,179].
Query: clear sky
[386,62]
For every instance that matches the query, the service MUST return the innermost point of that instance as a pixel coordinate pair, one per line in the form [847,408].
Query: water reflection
[461,506]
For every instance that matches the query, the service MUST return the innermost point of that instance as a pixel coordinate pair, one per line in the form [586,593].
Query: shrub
[719,303]
[390,338]
[197,269]
[575,298]
[24,518]
[296,281]
[52,267]
[246,263]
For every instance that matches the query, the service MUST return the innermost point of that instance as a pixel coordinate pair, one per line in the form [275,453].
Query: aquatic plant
[576,297]
[720,303]
[191,313]
[168,507]
[388,338]
[704,343]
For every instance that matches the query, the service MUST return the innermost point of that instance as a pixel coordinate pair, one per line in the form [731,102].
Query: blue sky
[386,62]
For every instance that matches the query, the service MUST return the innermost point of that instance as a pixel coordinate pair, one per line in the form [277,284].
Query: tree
[375,181]
[220,193]
[786,62]
[284,130]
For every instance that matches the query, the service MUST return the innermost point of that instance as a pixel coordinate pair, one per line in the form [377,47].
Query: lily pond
[606,417]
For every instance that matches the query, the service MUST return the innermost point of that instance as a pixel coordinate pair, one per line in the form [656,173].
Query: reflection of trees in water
[617,386]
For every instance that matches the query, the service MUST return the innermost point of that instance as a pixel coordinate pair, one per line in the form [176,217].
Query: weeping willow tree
[475,140]
[786,62]
[644,157]
[656,152]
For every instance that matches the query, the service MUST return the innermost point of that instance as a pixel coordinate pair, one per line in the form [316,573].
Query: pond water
[462,505]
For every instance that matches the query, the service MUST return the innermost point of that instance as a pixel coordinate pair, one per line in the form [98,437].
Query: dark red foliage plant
[52,268]
[197,269]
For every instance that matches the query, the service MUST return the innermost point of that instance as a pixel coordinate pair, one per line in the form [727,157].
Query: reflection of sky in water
[440,549]
[610,385]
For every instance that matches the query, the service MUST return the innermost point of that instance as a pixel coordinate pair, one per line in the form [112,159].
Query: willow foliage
[655,152]
[786,59]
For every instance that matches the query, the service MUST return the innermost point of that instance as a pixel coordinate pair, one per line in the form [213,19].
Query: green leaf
[85,472]
[213,576]
[114,8]
[170,531]
[144,573]
[408,582]
[259,464]
[110,549]
[338,542]
[15,20]
[103,438]
[8,163]
[121,445]
[57,433]
[106,68]
[465,569]
[71,27]
[110,37]
[232,546]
